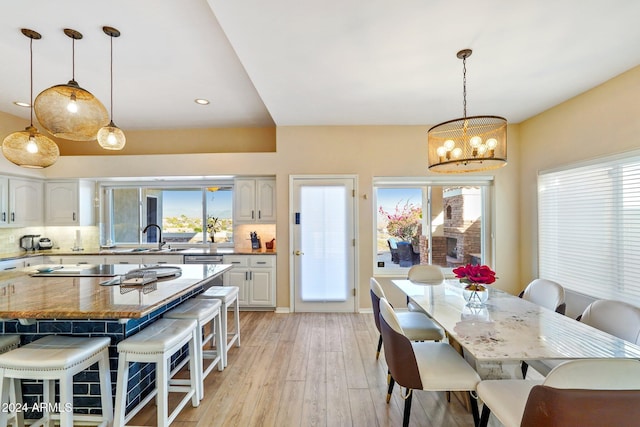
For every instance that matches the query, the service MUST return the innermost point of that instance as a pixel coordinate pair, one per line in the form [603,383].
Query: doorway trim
[356,252]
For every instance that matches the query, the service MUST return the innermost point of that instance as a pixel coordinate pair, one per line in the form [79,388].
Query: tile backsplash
[64,237]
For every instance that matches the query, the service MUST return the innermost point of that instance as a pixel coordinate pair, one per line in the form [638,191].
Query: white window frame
[589,227]
[106,213]
[487,235]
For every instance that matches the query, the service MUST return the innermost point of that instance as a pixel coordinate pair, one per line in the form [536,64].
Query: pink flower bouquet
[475,276]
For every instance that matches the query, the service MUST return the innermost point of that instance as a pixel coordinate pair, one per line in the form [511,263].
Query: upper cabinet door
[69,202]
[245,200]
[255,200]
[266,200]
[25,202]
[61,203]
[4,201]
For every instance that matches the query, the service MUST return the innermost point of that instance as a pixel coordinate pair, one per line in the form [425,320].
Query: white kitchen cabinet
[162,259]
[12,264]
[33,260]
[77,259]
[69,202]
[4,201]
[123,259]
[21,202]
[254,200]
[255,276]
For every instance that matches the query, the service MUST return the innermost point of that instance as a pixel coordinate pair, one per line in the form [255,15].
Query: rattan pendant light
[69,111]
[468,144]
[29,148]
[111,137]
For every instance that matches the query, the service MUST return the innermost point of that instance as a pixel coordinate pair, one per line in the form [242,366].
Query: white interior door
[323,241]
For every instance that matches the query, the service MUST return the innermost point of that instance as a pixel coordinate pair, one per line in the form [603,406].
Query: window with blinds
[589,228]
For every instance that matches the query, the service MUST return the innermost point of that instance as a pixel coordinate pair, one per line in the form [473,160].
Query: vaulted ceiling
[334,62]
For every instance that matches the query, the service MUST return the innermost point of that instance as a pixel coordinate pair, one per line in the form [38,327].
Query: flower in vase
[475,276]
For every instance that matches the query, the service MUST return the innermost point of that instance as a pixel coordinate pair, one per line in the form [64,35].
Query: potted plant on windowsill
[213,226]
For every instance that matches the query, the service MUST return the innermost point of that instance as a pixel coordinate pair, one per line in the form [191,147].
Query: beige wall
[605,120]
[365,151]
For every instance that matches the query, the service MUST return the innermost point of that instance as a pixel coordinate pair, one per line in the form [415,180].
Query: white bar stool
[57,357]
[227,295]
[156,344]
[204,312]
[8,343]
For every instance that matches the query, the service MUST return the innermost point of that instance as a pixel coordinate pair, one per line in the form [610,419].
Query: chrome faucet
[160,242]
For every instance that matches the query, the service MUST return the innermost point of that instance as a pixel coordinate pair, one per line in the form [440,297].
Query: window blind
[589,228]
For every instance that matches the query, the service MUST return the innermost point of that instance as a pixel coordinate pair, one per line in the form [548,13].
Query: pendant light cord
[31,80]
[111,72]
[73,59]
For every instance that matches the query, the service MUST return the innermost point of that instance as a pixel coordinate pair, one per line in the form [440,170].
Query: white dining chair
[424,273]
[507,399]
[616,318]
[431,366]
[417,326]
[545,293]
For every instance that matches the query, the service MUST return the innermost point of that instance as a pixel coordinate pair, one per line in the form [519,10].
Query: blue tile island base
[86,385]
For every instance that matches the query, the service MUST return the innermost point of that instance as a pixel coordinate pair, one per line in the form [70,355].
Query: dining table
[506,330]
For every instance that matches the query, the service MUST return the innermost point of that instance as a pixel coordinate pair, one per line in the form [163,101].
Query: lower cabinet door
[261,288]
[238,277]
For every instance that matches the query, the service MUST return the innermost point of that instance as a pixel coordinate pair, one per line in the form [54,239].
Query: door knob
[298,253]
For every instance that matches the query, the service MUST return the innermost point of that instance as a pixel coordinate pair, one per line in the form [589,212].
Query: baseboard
[283,310]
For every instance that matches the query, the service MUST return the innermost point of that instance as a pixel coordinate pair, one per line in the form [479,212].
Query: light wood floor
[308,369]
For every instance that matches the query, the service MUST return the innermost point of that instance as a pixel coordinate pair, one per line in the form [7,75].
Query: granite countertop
[6,256]
[23,296]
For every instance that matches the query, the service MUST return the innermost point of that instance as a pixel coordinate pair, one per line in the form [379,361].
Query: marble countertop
[25,297]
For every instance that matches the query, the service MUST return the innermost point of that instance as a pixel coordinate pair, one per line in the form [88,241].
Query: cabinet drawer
[236,260]
[262,261]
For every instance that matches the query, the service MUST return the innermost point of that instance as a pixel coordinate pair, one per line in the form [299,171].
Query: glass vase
[475,298]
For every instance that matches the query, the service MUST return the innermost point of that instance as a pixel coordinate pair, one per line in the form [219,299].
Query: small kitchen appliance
[45,243]
[28,242]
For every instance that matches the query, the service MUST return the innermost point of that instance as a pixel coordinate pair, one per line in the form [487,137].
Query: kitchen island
[77,304]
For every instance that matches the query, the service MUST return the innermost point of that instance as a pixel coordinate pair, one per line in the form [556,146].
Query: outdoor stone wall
[465,231]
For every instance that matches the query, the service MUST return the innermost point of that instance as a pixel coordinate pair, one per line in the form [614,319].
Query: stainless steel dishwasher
[206,259]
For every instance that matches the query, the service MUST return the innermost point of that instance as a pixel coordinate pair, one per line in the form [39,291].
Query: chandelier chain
[464,86]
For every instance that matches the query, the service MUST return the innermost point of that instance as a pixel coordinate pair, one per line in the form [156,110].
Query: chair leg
[484,418]
[474,409]
[407,409]
[379,347]
[390,390]
[524,367]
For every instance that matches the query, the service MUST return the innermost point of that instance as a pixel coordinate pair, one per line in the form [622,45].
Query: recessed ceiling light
[202,101]
[22,104]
